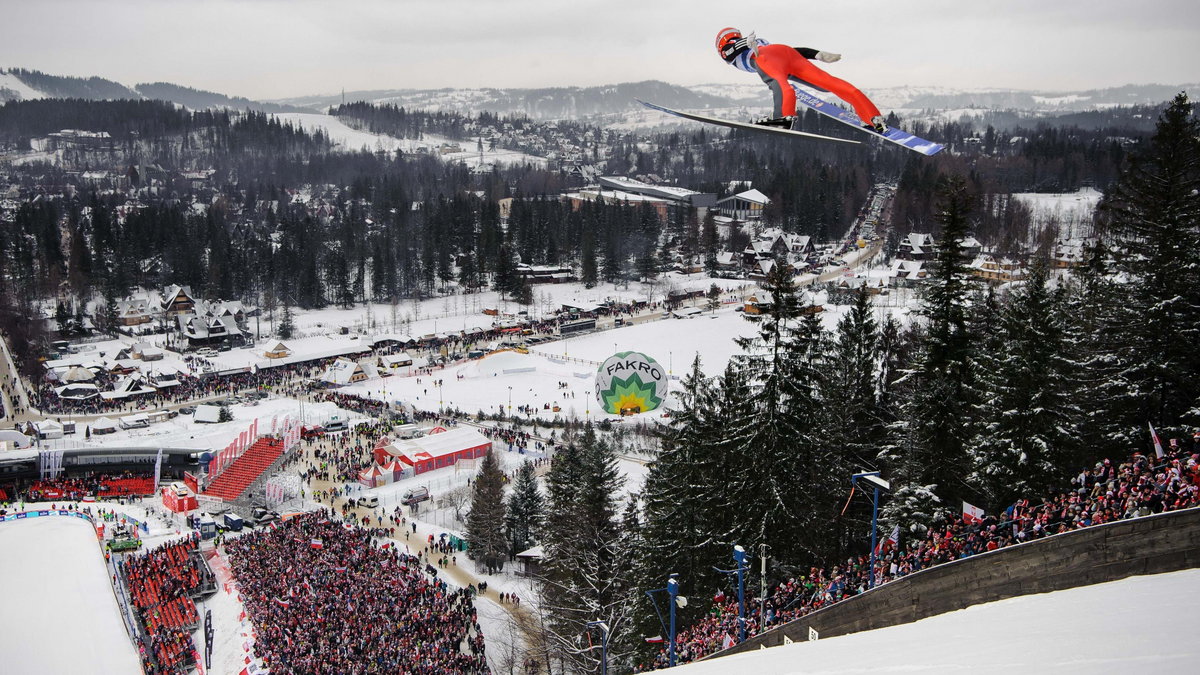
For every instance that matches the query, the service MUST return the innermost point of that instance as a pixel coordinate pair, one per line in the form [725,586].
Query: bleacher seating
[161,586]
[101,485]
[244,470]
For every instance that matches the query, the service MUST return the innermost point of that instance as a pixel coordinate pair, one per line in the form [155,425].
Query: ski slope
[1136,625]
[60,612]
[350,139]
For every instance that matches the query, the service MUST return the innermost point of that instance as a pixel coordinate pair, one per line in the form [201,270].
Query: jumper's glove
[828,57]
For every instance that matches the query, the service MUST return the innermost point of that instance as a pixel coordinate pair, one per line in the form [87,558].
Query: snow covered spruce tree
[776,463]
[850,390]
[1089,303]
[1027,411]
[929,463]
[526,510]
[1153,215]
[682,503]
[588,569]
[485,523]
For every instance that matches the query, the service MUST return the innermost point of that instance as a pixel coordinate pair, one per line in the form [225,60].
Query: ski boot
[783,122]
[877,125]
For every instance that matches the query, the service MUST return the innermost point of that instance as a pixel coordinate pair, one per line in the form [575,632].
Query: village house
[747,205]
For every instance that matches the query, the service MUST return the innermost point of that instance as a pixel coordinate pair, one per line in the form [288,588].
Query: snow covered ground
[1072,211]
[1136,625]
[61,614]
[353,140]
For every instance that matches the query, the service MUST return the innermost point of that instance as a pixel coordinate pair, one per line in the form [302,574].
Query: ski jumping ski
[893,135]
[743,125]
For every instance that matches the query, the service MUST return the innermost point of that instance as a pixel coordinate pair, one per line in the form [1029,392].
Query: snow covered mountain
[574,102]
[17,84]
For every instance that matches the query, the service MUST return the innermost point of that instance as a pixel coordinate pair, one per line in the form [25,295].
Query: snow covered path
[61,615]
[1136,625]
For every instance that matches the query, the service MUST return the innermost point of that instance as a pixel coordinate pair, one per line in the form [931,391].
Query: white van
[369,501]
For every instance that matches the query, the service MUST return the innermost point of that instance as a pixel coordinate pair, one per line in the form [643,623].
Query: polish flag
[890,543]
[283,602]
[656,640]
[317,544]
[971,514]
[727,642]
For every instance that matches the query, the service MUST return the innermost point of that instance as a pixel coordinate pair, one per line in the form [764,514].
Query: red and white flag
[890,543]
[317,544]
[727,642]
[971,514]
[1158,451]
[656,640]
[283,602]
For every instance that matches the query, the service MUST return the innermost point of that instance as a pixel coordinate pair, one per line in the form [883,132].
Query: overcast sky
[277,48]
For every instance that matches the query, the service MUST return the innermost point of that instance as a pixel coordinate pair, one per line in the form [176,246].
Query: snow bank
[1140,624]
[63,616]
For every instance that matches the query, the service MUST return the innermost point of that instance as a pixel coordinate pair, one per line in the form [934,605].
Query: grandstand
[162,585]
[246,469]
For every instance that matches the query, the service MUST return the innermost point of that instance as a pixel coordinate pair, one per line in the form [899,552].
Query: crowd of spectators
[324,598]
[1139,486]
[190,388]
[161,584]
[91,484]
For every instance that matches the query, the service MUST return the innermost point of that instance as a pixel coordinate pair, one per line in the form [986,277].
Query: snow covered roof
[345,371]
[438,445]
[207,413]
[753,196]
[535,553]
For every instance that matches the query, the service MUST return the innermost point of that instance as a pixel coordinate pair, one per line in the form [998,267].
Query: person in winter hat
[779,64]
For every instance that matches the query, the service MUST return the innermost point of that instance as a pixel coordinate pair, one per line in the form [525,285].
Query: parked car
[312,432]
[261,516]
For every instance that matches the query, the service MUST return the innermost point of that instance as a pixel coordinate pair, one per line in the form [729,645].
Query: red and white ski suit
[778,65]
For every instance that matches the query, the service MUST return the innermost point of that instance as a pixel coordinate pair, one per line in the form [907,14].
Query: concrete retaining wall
[1165,542]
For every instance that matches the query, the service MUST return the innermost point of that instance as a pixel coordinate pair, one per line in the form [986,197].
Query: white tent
[49,429]
[207,414]
[78,374]
[137,421]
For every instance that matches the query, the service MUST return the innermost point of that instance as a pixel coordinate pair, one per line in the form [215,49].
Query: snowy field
[562,373]
[1072,211]
[61,615]
[1136,625]
[353,140]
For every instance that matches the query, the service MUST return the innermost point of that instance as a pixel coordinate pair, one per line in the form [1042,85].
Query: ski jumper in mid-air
[778,65]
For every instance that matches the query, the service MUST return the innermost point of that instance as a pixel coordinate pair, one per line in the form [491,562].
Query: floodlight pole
[603,645]
[740,557]
[672,589]
[874,520]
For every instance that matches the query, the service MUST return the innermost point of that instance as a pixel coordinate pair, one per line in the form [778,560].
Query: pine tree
[589,274]
[775,473]
[1029,418]
[525,510]
[850,395]
[587,573]
[286,325]
[929,461]
[485,522]
[684,511]
[1153,212]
